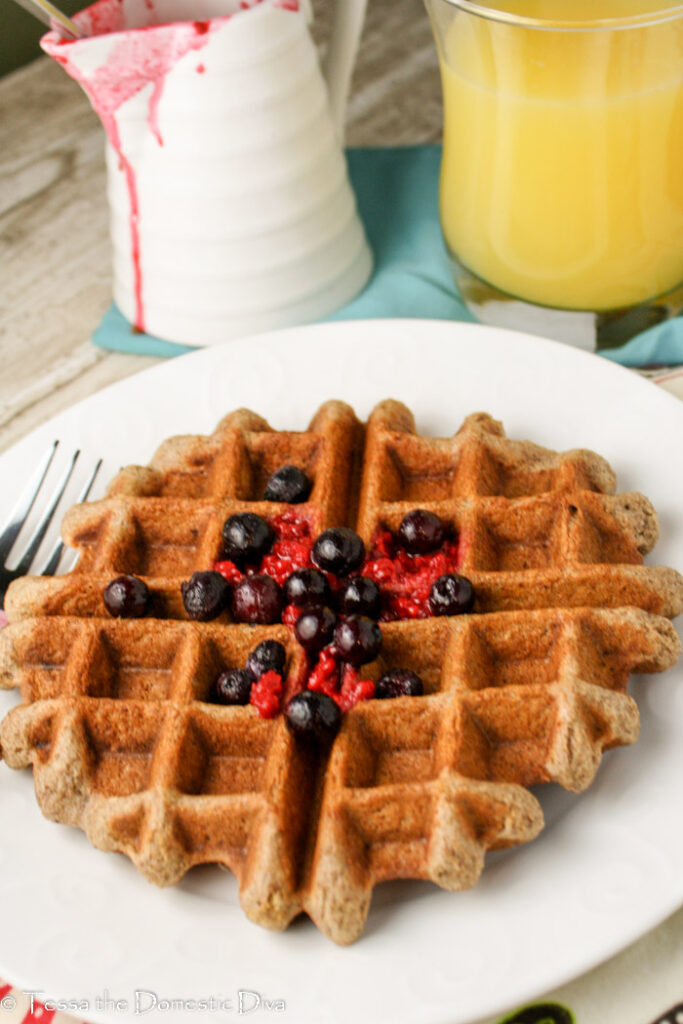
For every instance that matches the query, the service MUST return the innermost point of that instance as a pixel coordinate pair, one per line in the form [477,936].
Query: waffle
[115,715]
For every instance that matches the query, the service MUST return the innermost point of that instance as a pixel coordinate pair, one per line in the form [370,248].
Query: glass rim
[482,10]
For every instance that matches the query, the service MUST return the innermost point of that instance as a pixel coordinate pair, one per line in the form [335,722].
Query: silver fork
[20,513]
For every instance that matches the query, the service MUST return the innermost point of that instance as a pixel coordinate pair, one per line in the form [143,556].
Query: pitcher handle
[341,57]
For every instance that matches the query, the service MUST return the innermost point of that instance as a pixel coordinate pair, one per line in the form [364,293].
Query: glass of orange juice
[561,189]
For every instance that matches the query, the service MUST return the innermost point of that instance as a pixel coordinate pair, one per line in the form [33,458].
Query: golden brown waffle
[530,688]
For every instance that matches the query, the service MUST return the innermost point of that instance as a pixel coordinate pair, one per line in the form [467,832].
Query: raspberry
[324,677]
[285,557]
[379,569]
[266,694]
[292,547]
[290,615]
[354,689]
[228,571]
[406,608]
[383,545]
[291,526]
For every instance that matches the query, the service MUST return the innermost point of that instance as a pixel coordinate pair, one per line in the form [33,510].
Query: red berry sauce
[354,689]
[266,694]
[291,614]
[324,676]
[342,684]
[405,580]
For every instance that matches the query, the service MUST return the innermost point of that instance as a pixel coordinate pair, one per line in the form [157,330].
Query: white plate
[77,922]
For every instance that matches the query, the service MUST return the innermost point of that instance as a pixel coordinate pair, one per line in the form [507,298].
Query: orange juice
[562,173]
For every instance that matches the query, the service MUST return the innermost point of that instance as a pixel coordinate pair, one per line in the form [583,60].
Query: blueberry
[421,532]
[127,597]
[313,717]
[247,538]
[358,639]
[339,551]
[205,596]
[451,595]
[289,484]
[232,687]
[307,586]
[315,628]
[359,596]
[399,682]
[270,655]
[256,599]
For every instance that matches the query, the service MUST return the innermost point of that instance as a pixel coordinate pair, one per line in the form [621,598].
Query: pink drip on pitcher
[137,57]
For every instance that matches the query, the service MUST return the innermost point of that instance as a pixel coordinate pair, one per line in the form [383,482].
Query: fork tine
[24,504]
[55,555]
[41,529]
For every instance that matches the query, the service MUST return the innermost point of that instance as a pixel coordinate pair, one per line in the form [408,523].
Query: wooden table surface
[54,243]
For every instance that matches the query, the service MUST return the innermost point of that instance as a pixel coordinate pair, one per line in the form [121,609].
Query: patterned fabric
[541,1013]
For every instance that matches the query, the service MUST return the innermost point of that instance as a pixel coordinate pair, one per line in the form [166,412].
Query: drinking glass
[561,190]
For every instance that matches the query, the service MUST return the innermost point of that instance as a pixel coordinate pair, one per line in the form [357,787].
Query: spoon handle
[51,16]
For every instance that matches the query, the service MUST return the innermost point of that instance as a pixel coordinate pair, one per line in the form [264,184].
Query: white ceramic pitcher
[231,208]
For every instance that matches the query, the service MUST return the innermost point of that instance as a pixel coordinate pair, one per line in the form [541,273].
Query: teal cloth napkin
[397,193]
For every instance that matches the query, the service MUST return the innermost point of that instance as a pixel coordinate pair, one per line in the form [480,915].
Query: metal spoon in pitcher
[51,16]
